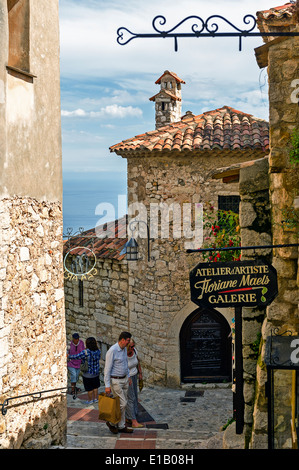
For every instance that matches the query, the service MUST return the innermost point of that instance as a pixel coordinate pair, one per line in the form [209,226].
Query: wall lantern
[132,250]
[131,247]
[282,389]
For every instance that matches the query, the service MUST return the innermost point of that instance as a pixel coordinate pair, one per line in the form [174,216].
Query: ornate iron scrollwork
[201,28]
[275,359]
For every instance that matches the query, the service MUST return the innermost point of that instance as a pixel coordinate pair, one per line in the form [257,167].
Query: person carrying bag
[109,408]
[117,378]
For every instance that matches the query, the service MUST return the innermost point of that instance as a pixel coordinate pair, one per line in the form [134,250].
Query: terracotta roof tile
[283,11]
[277,19]
[108,247]
[174,75]
[171,95]
[221,129]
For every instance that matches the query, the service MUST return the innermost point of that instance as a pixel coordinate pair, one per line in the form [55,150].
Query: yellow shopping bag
[109,408]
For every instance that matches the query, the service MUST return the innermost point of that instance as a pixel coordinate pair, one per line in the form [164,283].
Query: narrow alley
[173,419]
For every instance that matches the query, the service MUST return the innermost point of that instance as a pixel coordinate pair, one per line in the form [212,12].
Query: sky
[105,86]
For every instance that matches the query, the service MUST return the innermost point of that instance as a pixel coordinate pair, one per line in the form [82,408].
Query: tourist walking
[91,378]
[117,378]
[135,374]
[76,346]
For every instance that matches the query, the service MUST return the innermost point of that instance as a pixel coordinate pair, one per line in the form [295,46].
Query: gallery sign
[233,284]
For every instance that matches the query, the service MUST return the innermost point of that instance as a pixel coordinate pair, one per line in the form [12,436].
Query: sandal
[126,430]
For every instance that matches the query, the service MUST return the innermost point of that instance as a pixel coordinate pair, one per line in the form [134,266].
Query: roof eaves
[174,75]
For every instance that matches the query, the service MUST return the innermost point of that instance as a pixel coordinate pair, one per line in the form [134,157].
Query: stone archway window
[18,24]
[229,203]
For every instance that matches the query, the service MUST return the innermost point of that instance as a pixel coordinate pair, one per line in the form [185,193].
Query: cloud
[105,87]
[88,31]
[77,112]
[113,111]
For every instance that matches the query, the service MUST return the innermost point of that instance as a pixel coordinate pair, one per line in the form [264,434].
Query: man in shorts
[73,365]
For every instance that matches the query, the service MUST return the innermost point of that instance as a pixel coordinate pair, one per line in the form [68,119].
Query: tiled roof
[281,12]
[108,247]
[224,129]
[278,19]
[171,95]
[174,75]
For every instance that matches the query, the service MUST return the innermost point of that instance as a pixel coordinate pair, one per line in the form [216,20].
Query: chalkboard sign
[233,284]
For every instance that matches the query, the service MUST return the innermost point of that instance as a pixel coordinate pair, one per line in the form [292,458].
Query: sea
[91,199]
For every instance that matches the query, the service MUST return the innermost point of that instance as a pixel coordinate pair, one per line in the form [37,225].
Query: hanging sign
[233,284]
[282,352]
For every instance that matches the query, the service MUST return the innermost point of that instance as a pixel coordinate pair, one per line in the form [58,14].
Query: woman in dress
[135,373]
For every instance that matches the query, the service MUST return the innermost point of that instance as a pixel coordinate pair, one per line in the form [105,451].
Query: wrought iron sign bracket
[199,28]
[234,248]
[79,234]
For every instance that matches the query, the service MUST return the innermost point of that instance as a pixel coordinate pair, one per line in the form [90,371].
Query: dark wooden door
[206,354]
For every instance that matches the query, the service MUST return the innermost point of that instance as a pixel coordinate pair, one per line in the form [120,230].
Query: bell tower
[168,102]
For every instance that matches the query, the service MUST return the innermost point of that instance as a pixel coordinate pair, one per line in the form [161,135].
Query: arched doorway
[205,347]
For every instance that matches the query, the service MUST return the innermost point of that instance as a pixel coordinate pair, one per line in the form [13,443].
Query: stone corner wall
[255,223]
[282,314]
[32,323]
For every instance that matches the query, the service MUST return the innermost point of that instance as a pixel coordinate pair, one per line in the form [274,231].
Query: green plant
[222,230]
[291,219]
[294,147]
[255,346]
[229,421]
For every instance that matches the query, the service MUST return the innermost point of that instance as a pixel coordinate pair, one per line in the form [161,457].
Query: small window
[229,203]
[18,25]
[80,287]
[225,204]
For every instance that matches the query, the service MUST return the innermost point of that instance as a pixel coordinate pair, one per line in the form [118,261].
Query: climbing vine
[294,147]
[221,230]
[291,214]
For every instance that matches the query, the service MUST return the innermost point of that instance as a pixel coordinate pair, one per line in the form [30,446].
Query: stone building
[269,190]
[281,57]
[32,321]
[168,102]
[169,178]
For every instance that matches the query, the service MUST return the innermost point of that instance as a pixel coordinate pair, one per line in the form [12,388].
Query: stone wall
[255,223]
[32,323]
[159,289]
[282,314]
[104,313]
